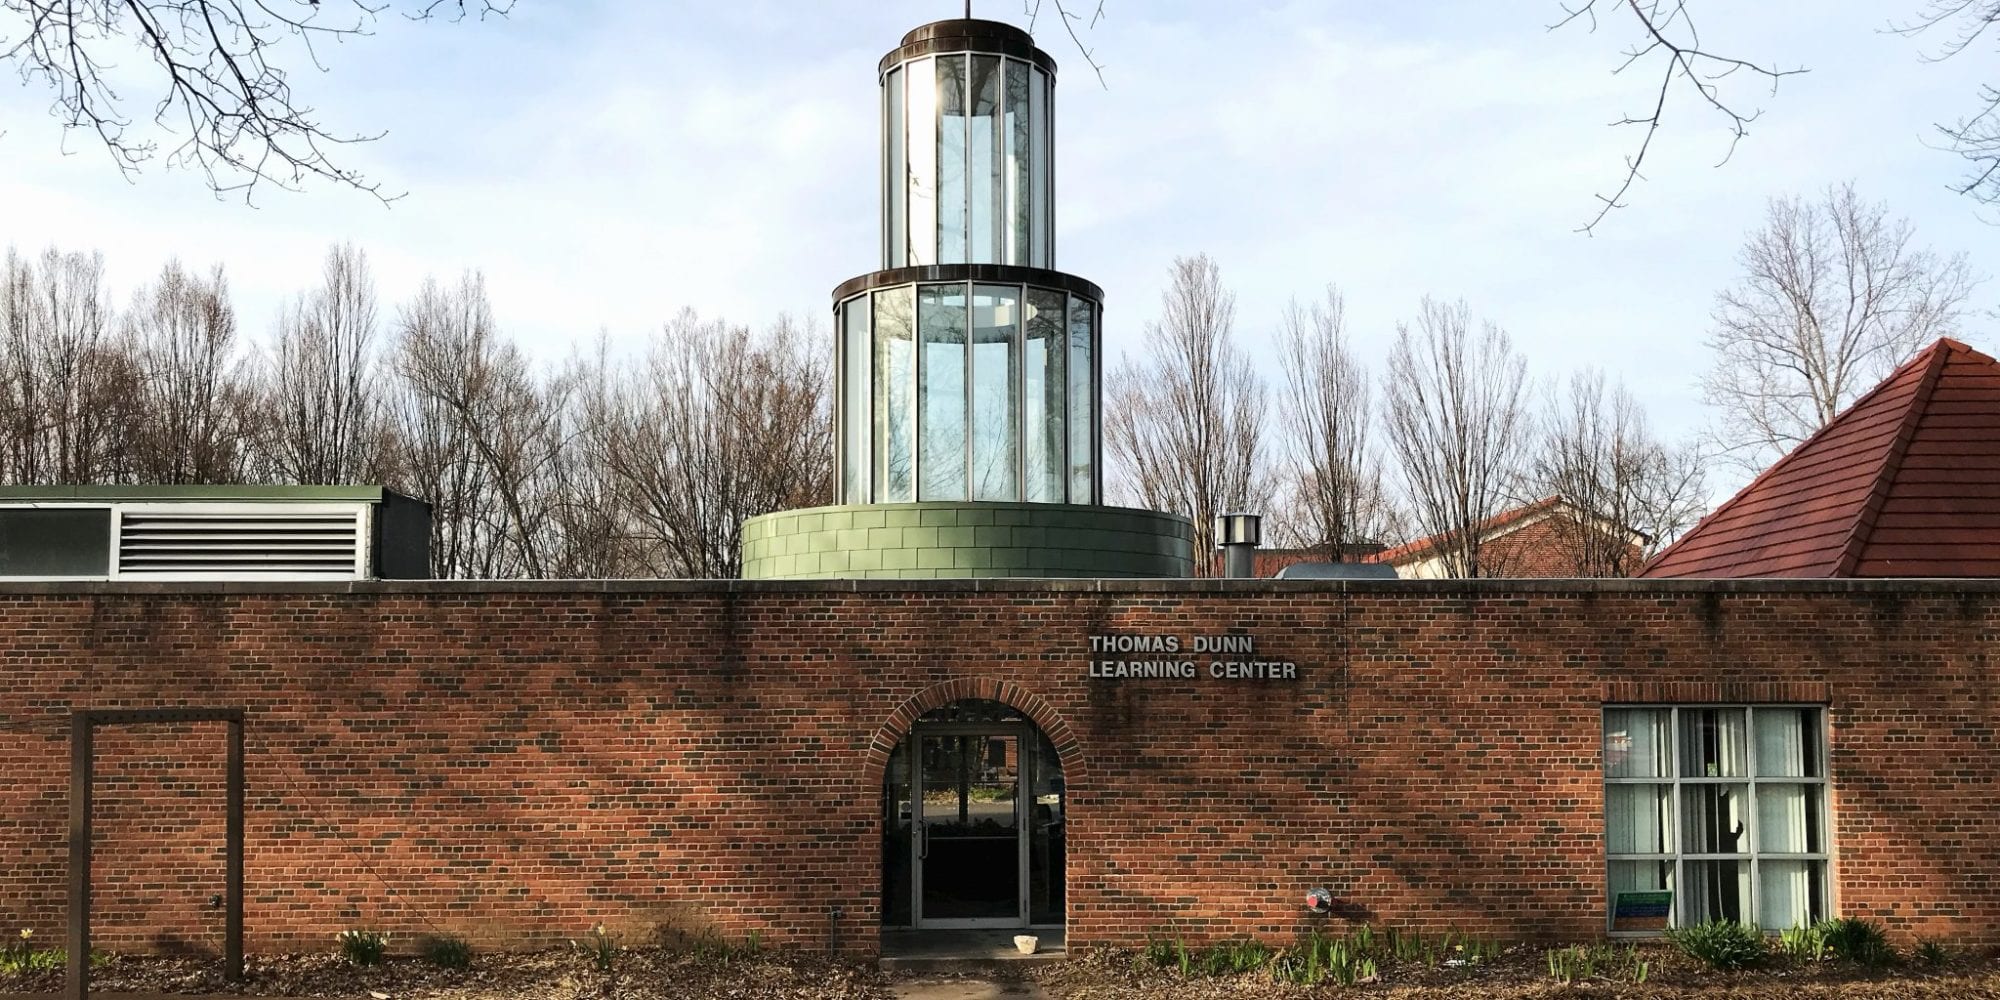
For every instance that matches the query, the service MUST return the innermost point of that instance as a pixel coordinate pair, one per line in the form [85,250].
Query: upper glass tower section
[968,169]
[969,368]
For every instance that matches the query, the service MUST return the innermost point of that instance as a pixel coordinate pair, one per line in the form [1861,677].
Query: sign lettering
[1174,657]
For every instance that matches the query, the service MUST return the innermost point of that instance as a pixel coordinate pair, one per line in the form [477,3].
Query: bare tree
[1834,294]
[594,531]
[70,381]
[1333,496]
[322,408]
[221,83]
[1628,493]
[1185,420]
[478,434]
[1457,425]
[719,425]
[195,399]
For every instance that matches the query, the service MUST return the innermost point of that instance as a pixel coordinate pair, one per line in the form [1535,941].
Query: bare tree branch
[1974,137]
[1069,19]
[223,71]
[1667,36]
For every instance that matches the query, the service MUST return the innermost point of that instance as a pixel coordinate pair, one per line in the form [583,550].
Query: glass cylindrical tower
[968,364]
[968,368]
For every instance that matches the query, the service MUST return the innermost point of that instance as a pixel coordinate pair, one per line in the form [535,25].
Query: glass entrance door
[971,859]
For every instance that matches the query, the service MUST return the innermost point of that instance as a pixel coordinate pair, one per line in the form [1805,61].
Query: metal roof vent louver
[240,541]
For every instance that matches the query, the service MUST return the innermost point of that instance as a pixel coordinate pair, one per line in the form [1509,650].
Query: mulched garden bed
[645,974]
[1522,972]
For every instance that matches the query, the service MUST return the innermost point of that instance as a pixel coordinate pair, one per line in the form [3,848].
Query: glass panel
[1043,396]
[951,192]
[941,396]
[996,376]
[1788,742]
[1715,890]
[1790,894]
[970,836]
[1639,819]
[1038,171]
[1713,820]
[1638,743]
[894,357]
[856,360]
[1082,399]
[1712,743]
[987,173]
[1046,840]
[922,148]
[58,541]
[1788,819]
[1017,162]
[896,819]
[895,174]
[1638,876]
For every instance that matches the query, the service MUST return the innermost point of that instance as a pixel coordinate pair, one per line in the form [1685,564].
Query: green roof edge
[193,494]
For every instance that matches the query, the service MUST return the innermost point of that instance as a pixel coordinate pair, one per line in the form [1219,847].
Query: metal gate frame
[83,725]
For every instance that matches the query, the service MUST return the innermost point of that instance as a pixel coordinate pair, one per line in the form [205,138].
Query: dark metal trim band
[992,274]
[960,35]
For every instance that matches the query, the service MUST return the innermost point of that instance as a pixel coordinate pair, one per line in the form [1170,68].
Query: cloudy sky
[606,164]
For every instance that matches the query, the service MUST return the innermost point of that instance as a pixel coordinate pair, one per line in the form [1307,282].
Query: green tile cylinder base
[912,541]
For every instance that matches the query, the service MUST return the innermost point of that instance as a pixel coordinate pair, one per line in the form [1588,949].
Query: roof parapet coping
[1485,588]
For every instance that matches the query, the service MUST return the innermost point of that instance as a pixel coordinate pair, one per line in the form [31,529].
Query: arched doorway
[973,807]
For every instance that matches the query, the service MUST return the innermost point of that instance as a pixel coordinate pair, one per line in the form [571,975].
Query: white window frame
[1675,781]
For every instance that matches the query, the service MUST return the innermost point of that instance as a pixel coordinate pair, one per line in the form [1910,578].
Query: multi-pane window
[1724,807]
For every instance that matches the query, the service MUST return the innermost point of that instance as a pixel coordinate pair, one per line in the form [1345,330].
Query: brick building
[517,761]
[970,695]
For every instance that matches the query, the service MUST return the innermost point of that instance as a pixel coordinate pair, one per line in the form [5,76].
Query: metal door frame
[1022,734]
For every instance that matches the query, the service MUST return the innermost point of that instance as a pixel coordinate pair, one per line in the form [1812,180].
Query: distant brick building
[1544,539]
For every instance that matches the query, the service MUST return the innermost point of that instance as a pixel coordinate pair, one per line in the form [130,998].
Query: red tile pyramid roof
[1905,483]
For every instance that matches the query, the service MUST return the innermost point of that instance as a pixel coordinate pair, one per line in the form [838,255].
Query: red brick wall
[514,763]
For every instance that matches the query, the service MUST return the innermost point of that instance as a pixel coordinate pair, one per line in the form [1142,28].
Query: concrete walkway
[966,989]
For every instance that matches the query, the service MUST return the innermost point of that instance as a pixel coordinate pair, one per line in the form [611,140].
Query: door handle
[924,847]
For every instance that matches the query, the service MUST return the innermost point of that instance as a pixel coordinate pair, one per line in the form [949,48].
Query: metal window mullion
[1750,811]
[1006,143]
[916,397]
[1096,422]
[1068,401]
[1024,791]
[971,491]
[882,150]
[1674,811]
[1020,379]
[1827,881]
[1048,207]
[967,103]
